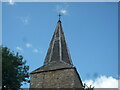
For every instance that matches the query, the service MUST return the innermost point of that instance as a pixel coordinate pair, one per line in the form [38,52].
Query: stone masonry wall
[66,78]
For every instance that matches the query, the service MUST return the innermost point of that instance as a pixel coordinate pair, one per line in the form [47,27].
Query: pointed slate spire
[58,56]
[58,50]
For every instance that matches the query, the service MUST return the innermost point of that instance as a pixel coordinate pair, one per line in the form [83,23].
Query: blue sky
[91,31]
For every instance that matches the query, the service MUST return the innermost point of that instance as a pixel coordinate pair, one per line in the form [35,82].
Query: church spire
[58,56]
[58,50]
[58,70]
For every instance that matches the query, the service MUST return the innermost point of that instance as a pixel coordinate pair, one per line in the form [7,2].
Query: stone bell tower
[58,70]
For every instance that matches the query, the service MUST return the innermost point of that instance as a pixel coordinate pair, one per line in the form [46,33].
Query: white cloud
[19,48]
[62,8]
[25,20]
[28,45]
[63,11]
[119,85]
[35,50]
[11,2]
[103,82]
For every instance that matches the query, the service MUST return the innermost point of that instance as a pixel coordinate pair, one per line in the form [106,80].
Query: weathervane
[59,16]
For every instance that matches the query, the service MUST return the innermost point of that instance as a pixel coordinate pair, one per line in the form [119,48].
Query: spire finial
[59,16]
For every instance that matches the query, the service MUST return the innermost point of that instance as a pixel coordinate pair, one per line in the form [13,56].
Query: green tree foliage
[85,87]
[14,69]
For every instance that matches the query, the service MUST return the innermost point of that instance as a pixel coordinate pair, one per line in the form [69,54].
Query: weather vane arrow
[59,16]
